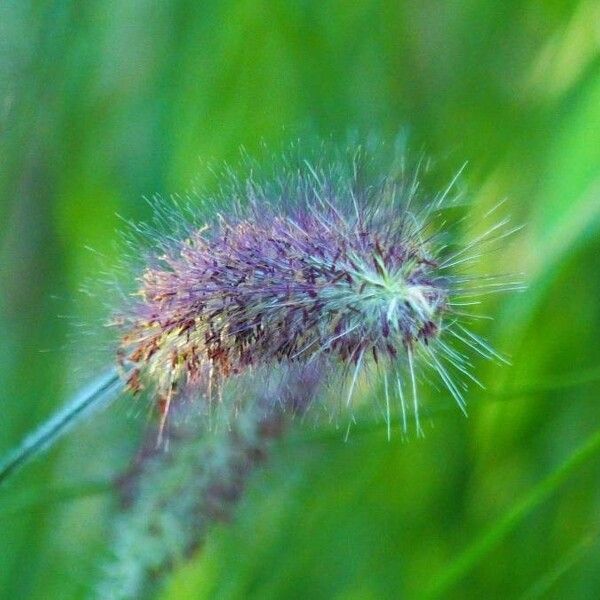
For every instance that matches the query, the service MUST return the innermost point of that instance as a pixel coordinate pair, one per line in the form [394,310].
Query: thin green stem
[91,398]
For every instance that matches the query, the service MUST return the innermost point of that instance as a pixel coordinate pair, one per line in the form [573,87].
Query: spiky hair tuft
[322,261]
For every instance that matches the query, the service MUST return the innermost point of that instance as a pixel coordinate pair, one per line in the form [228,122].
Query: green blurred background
[104,102]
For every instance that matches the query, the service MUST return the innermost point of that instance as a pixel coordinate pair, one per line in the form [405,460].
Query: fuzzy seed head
[312,267]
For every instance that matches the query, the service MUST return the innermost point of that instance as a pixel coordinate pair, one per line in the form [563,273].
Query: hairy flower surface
[316,264]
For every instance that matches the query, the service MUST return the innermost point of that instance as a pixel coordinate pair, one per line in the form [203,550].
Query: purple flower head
[314,266]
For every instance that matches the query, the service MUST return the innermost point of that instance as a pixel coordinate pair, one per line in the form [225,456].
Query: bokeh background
[105,102]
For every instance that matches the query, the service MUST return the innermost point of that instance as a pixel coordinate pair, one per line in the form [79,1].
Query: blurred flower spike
[319,263]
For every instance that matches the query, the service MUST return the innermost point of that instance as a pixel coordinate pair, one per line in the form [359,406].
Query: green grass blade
[479,549]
